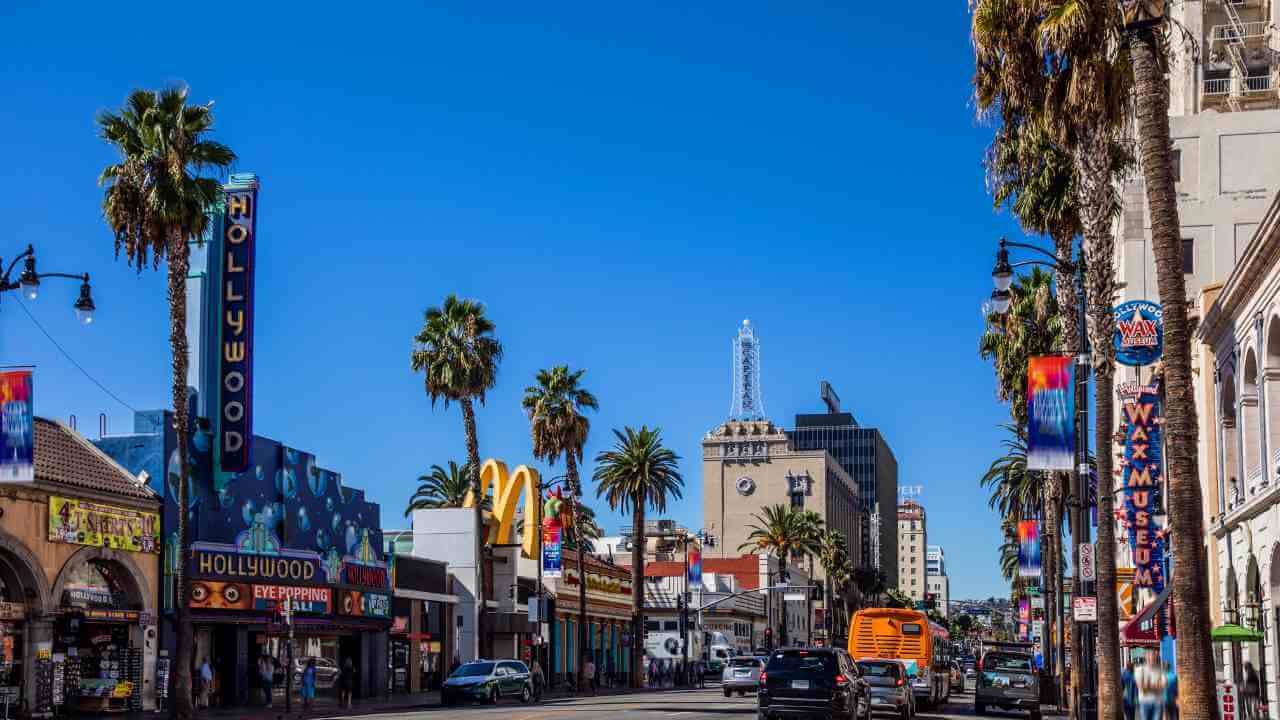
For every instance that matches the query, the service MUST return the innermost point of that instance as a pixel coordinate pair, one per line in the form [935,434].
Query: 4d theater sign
[235,364]
[1141,482]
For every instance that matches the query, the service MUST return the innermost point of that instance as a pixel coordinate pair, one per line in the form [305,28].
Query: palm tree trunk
[178,262]
[575,490]
[473,457]
[637,589]
[1093,162]
[1190,602]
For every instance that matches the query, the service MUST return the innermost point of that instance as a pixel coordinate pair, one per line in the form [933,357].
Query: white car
[742,674]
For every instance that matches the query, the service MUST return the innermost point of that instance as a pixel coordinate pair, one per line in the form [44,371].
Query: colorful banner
[235,376]
[17,442]
[82,522]
[1029,549]
[1139,333]
[1050,413]
[695,569]
[1141,481]
[551,536]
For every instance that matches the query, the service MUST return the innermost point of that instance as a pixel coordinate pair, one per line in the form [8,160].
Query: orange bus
[909,636]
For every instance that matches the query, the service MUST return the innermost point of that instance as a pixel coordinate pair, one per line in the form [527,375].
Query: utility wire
[70,359]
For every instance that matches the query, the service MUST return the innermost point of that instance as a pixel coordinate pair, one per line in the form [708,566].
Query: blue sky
[621,186]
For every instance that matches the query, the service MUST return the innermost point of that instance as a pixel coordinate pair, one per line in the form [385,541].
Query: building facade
[867,459]
[935,560]
[939,585]
[912,546]
[79,583]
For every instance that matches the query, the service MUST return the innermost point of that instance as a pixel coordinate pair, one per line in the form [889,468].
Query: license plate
[743,673]
[799,684]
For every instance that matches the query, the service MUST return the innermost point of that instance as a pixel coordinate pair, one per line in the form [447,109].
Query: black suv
[813,681]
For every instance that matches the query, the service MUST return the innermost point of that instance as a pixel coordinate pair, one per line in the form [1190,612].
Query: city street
[684,704]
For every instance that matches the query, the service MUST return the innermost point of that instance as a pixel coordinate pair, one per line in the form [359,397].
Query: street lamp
[29,283]
[1002,276]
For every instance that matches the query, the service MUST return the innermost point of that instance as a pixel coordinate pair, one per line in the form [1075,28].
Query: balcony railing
[1217,86]
[1257,83]
[1248,31]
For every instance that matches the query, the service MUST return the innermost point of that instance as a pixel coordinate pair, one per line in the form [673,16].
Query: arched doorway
[1271,382]
[1251,428]
[101,598]
[23,591]
[1230,489]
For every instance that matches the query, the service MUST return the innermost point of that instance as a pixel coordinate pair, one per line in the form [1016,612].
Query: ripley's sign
[369,576]
[235,356]
[242,566]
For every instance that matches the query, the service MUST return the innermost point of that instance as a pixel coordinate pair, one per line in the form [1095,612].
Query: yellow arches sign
[506,496]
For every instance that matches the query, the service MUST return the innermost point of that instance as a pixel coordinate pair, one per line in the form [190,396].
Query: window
[1175,164]
[1188,256]
[671,625]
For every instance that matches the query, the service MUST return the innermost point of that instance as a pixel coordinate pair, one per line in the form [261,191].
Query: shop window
[1188,256]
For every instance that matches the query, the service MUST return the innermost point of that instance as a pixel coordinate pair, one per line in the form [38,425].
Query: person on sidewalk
[1171,695]
[266,675]
[589,672]
[346,681]
[1129,688]
[204,685]
[539,680]
[1250,692]
[309,684]
[1151,679]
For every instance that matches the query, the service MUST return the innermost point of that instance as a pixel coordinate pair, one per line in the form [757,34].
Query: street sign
[1085,609]
[1088,568]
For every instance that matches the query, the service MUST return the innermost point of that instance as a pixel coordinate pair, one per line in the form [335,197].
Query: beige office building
[749,465]
[913,547]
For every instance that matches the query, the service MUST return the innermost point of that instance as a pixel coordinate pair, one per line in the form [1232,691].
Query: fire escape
[1240,41]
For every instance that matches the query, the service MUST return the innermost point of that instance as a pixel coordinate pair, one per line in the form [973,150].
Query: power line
[72,360]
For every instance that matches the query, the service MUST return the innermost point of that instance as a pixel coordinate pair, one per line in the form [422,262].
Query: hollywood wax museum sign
[1141,476]
[1139,336]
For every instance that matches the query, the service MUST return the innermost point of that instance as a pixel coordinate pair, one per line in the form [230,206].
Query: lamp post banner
[17,442]
[1139,333]
[1050,413]
[1029,549]
[551,530]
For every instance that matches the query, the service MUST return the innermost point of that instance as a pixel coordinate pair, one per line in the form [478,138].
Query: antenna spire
[746,402]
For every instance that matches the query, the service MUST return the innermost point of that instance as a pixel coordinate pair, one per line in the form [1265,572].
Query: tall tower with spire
[746,403]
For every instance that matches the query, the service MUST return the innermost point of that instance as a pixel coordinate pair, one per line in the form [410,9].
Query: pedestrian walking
[700,669]
[1129,687]
[309,684]
[539,680]
[1250,692]
[1171,695]
[346,681]
[589,669]
[266,674]
[204,684]
[608,670]
[1151,679]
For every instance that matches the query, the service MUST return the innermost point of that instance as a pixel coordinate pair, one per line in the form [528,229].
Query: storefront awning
[1142,630]
[1234,633]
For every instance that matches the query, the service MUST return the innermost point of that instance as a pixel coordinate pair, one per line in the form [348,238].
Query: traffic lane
[683,704]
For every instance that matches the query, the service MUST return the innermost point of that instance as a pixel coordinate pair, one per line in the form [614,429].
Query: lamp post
[1084,705]
[542,604]
[29,283]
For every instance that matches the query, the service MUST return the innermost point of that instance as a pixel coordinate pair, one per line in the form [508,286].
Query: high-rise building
[912,546]
[865,456]
[936,561]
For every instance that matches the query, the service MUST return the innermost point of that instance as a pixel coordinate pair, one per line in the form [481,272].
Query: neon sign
[1141,481]
[235,360]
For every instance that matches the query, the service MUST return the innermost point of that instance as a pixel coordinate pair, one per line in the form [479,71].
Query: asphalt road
[679,704]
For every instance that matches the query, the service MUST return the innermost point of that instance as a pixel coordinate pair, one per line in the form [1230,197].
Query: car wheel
[867,714]
[979,709]
[493,696]
[727,692]
[1035,714]
[525,695]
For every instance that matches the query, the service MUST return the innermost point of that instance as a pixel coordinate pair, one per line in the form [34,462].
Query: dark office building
[864,454]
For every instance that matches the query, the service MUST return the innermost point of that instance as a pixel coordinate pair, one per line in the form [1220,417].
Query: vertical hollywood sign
[235,408]
[1140,472]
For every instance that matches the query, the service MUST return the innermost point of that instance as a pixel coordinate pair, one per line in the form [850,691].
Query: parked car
[1007,680]
[970,673]
[742,674]
[326,672]
[957,676]
[889,689]
[488,681]
[818,681]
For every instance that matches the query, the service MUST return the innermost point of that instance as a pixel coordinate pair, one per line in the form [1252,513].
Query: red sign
[369,576]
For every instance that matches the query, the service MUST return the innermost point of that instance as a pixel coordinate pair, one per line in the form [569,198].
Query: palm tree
[156,203]
[1148,47]
[554,406]
[441,488]
[782,531]
[458,356]
[638,473]
[834,556]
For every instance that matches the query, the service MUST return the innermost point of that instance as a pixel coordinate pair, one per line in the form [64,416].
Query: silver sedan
[741,674]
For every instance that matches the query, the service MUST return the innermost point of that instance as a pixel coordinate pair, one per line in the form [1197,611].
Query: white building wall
[449,535]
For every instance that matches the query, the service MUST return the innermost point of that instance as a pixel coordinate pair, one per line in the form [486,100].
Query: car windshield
[802,663]
[473,670]
[744,662]
[1006,662]
[880,669]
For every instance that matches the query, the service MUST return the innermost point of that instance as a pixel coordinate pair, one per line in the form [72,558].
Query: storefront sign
[17,427]
[235,386]
[1228,709]
[245,566]
[82,522]
[212,595]
[1141,481]
[370,576]
[302,599]
[1139,335]
[88,596]
[129,616]
[12,611]
[365,604]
